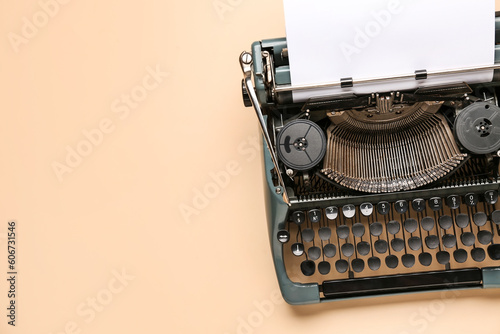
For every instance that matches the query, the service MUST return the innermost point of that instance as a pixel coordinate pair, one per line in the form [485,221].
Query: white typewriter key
[330,250]
[358,265]
[460,255]
[478,254]
[468,239]
[314,215]
[374,263]
[325,233]
[347,249]
[480,219]
[332,212]
[308,235]
[298,249]
[324,268]
[432,241]
[408,260]
[283,236]
[349,210]
[341,266]
[376,229]
[308,268]
[366,209]
[427,223]
[443,257]
[381,246]
[415,243]
[491,197]
[392,261]
[425,259]
[462,220]
[484,237]
[314,253]
[495,217]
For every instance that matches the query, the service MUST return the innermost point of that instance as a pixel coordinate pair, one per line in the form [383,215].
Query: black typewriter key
[332,212]
[347,249]
[478,254]
[314,215]
[484,237]
[453,201]
[408,260]
[468,238]
[435,203]
[283,236]
[460,255]
[392,261]
[491,197]
[341,266]
[480,219]
[425,259]
[308,234]
[418,205]
[358,265]
[432,241]
[374,263]
[427,223]
[383,208]
[358,230]
[495,217]
[393,227]
[397,244]
[449,240]
[445,222]
[376,229]
[343,231]
[363,248]
[462,220]
[401,206]
[410,225]
[415,243]
[324,268]
[329,250]
[314,253]
[325,233]
[308,268]
[298,217]
[443,257]
[298,249]
[471,199]
[381,246]
[349,210]
[494,251]
[366,209]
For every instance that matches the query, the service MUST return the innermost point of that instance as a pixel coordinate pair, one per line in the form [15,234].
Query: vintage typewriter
[382,193]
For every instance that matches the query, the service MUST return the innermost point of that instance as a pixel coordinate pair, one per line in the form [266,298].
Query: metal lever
[246,61]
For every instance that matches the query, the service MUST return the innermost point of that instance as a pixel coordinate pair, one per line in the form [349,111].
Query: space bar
[437,280]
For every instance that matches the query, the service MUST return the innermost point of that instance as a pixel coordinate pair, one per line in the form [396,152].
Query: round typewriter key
[425,259]
[376,229]
[393,227]
[449,240]
[435,203]
[478,254]
[383,208]
[381,246]
[324,268]
[480,218]
[332,212]
[415,243]
[391,261]
[432,241]
[308,268]
[325,233]
[330,250]
[358,265]
[427,223]
[308,235]
[298,249]
[283,236]
[401,206]
[484,237]
[410,225]
[495,217]
[462,220]
[358,230]
[374,263]
[460,255]
[491,197]
[453,201]
[366,209]
[314,215]
[468,238]
[408,260]
[347,249]
[445,222]
[298,217]
[363,248]
[443,257]
[418,204]
[471,199]
[343,231]
[349,210]
[397,244]
[341,266]
[314,253]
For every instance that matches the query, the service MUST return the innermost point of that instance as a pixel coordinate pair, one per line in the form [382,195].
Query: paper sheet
[333,39]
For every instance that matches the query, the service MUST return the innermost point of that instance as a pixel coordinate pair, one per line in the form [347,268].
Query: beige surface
[119,207]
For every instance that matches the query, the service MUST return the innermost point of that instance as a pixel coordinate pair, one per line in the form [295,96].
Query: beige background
[119,208]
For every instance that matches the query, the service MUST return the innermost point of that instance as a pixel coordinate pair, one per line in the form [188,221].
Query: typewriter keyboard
[385,238]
